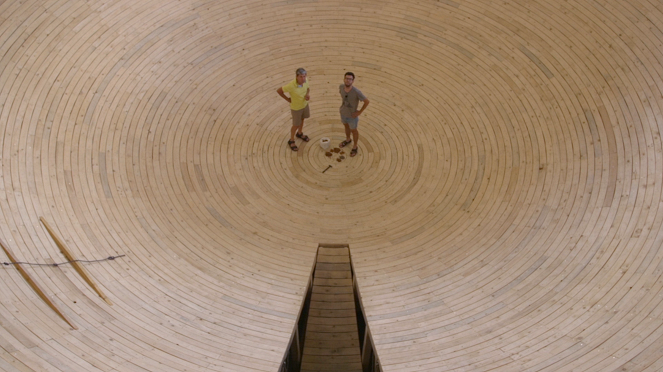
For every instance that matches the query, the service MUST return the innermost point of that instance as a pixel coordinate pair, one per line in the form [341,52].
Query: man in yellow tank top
[298,90]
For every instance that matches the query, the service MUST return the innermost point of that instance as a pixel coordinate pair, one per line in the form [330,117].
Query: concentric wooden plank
[503,208]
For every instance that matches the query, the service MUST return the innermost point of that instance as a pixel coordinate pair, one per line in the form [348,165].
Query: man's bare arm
[363,107]
[282,94]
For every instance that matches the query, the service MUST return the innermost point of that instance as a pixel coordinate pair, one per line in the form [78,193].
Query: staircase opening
[331,333]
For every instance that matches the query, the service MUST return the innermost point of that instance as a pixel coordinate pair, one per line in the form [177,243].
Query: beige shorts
[299,115]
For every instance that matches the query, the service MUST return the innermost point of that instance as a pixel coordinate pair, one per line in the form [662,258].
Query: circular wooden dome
[502,211]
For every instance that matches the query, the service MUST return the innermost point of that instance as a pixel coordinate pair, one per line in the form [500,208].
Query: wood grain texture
[503,209]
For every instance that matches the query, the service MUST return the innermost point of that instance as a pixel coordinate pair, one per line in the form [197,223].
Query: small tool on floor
[329,166]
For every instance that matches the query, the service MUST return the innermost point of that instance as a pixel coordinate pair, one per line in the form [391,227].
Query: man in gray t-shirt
[349,114]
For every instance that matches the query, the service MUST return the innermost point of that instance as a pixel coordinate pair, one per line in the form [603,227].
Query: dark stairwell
[336,337]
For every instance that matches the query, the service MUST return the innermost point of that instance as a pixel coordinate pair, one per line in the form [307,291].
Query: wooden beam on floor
[77,266]
[34,285]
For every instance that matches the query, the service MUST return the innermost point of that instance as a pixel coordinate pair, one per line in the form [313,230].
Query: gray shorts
[299,115]
[350,121]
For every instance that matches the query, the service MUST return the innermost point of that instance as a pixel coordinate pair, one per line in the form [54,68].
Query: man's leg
[305,113]
[347,132]
[297,122]
[300,128]
[355,137]
[293,130]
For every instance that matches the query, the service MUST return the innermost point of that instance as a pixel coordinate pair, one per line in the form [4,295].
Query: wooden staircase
[331,332]
[332,340]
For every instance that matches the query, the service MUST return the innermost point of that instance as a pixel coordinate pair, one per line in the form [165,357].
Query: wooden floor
[505,210]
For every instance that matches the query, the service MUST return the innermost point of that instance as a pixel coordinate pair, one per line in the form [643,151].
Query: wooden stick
[79,268]
[34,285]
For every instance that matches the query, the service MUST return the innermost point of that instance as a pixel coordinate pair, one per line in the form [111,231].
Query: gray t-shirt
[350,100]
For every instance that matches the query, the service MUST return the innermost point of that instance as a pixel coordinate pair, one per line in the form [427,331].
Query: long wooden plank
[77,266]
[35,287]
